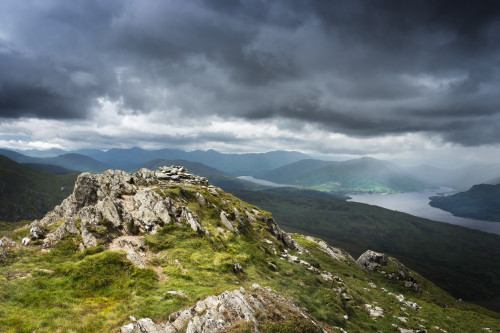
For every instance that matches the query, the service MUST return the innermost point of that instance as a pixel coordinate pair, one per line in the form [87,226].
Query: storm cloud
[360,69]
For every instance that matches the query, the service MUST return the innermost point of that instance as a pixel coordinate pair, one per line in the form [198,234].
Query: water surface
[417,203]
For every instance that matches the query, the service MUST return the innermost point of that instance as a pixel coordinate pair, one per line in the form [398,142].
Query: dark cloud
[362,68]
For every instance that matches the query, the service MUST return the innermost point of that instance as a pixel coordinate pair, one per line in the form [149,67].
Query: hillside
[50,168]
[185,256]
[353,176]
[27,194]
[459,260]
[479,202]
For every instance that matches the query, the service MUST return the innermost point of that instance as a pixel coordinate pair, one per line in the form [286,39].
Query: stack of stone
[179,174]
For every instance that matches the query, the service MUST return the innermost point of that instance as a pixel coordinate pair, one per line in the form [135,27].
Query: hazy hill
[494,181]
[358,175]
[28,194]
[137,253]
[53,152]
[462,261]
[77,162]
[479,202]
[461,178]
[18,157]
[71,161]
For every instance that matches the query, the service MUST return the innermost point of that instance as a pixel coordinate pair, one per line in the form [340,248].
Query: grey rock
[88,238]
[218,313]
[146,325]
[201,199]
[191,219]
[283,236]
[177,293]
[135,258]
[7,245]
[36,231]
[371,259]
[225,221]
[67,228]
[85,191]
[7,242]
[107,209]
[237,268]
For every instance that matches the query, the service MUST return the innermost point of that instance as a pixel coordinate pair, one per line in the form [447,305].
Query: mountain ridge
[169,246]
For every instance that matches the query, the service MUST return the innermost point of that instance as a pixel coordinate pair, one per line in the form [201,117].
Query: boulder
[371,259]
[225,221]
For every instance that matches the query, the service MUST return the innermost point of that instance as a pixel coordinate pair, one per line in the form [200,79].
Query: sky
[408,81]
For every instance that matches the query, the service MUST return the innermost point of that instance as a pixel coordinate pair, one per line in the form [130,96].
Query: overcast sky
[409,81]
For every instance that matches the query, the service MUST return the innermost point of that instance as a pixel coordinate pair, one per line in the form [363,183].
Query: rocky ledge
[229,310]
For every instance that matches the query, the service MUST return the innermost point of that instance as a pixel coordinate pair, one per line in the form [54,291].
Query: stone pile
[176,173]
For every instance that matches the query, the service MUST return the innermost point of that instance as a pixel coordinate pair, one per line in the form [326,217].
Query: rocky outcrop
[7,245]
[127,204]
[283,236]
[117,200]
[371,259]
[333,252]
[219,313]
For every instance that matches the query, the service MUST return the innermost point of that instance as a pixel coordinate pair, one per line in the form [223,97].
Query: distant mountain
[18,157]
[71,161]
[479,202]
[358,175]
[233,164]
[50,168]
[78,162]
[43,153]
[26,193]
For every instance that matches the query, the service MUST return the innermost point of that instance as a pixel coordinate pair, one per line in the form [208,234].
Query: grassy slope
[480,202]
[28,194]
[462,261]
[96,291]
